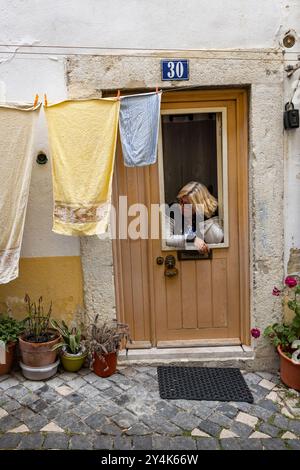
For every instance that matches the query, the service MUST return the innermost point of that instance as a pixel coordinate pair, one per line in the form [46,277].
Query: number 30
[177,69]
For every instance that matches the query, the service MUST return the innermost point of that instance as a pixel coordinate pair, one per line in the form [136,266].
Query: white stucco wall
[292,183]
[154,24]
[35,37]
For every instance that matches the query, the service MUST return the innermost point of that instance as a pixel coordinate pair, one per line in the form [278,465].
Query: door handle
[169,262]
[171,272]
[170,269]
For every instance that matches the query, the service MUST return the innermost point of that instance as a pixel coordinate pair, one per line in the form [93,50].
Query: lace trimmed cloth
[82,136]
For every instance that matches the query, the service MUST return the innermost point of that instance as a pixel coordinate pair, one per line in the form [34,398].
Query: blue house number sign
[175,69]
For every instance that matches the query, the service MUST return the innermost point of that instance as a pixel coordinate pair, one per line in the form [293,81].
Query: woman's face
[186,206]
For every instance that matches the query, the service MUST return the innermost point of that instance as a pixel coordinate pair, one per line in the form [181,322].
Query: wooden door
[207,302]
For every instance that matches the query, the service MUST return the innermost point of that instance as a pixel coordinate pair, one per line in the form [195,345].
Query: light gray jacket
[211,229]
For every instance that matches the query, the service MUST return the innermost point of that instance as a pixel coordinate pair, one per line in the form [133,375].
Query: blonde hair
[199,194]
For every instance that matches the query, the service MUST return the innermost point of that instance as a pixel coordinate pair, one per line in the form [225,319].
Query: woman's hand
[201,245]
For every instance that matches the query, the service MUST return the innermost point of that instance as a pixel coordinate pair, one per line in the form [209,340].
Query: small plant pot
[289,371]
[10,351]
[39,373]
[105,365]
[38,354]
[73,362]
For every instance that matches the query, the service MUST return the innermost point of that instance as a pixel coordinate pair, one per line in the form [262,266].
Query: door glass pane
[193,179]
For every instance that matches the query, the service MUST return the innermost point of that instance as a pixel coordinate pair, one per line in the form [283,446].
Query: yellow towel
[82,137]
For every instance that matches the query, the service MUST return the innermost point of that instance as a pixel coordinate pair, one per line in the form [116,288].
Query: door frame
[240,96]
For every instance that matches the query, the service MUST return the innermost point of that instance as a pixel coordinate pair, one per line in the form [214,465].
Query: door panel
[203,304]
[131,258]
[220,300]
[188,295]
[204,294]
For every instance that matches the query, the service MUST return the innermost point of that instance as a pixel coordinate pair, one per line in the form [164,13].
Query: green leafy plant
[284,334]
[10,328]
[71,338]
[37,322]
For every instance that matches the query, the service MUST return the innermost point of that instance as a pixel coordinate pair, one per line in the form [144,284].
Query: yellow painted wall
[56,278]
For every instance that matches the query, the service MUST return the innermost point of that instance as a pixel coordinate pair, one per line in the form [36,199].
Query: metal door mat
[202,383]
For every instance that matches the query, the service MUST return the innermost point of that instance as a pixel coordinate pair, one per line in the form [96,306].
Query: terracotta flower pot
[10,350]
[38,354]
[289,372]
[105,365]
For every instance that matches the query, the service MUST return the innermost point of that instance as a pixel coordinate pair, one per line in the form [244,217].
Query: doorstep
[207,355]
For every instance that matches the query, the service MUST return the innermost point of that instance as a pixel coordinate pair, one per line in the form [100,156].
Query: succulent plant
[71,337]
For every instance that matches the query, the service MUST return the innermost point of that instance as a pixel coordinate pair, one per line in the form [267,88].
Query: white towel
[139,127]
[16,136]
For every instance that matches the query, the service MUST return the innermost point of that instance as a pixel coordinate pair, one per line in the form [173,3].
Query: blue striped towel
[139,126]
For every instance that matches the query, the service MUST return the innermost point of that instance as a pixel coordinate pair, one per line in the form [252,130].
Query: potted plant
[285,336]
[73,351]
[10,329]
[104,342]
[37,342]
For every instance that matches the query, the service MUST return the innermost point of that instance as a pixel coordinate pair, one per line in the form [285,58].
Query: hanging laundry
[139,126]
[16,156]
[82,137]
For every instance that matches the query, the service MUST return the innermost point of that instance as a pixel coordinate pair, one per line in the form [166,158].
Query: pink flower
[290,281]
[255,333]
[276,291]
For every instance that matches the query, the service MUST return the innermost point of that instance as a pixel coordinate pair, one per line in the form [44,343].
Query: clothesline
[119,96]
[82,136]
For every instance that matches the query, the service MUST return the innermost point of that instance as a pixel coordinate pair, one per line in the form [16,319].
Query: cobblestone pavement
[83,411]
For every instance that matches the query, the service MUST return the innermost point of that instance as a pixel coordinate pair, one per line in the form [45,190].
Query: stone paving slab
[125,411]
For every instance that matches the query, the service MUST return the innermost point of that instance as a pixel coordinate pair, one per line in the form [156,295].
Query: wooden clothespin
[45,100]
[156,90]
[36,99]
[118,95]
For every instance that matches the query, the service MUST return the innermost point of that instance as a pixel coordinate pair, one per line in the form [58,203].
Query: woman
[197,223]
